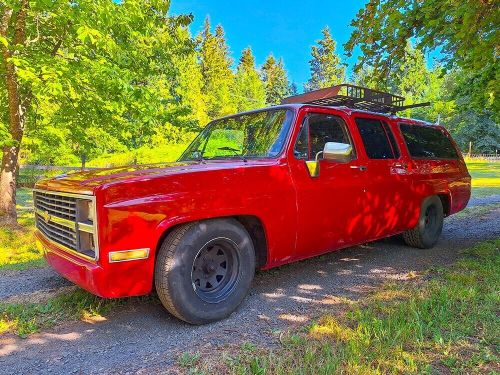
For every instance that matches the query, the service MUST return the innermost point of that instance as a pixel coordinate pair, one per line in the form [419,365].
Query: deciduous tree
[466,32]
[96,71]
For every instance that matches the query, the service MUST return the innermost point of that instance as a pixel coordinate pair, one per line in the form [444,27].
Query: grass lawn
[485,177]
[26,318]
[17,246]
[446,321]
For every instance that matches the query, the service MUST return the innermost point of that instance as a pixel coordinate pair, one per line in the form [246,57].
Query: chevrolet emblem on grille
[46,216]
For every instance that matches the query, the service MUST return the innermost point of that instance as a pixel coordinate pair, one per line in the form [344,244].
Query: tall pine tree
[248,89]
[216,71]
[275,79]
[326,67]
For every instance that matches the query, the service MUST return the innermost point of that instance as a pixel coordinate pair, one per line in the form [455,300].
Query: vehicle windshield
[253,135]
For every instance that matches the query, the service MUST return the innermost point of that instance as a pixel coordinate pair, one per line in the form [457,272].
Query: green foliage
[326,68]
[99,74]
[216,71]
[466,32]
[248,90]
[275,80]
[478,128]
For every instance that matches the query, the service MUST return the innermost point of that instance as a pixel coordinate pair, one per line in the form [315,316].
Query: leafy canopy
[466,32]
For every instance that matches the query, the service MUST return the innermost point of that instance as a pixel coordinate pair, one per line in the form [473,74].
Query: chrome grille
[60,206]
[60,217]
[58,233]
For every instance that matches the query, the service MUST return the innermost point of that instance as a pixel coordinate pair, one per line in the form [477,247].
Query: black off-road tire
[189,254]
[429,227]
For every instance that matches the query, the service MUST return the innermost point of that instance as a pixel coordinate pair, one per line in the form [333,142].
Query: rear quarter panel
[446,177]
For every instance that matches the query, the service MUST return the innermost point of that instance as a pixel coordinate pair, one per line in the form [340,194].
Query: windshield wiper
[235,150]
[227,148]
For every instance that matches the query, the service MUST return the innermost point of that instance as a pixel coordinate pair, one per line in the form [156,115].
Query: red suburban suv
[253,190]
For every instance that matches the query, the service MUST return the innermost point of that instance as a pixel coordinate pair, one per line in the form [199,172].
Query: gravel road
[146,339]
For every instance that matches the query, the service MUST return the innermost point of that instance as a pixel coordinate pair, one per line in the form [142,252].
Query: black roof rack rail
[355,97]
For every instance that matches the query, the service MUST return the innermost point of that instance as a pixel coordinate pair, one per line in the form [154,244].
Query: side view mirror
[333,151]
[337,151]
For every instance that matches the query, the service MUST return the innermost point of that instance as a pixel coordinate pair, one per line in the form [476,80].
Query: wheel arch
[445,198]
[252,223]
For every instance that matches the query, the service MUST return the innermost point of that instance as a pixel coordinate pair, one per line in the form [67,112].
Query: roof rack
[355,97]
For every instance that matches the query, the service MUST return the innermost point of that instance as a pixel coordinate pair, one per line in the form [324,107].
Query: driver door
[329,205]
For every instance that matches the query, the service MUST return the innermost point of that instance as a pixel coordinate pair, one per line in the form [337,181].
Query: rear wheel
[429,227]
[204,270]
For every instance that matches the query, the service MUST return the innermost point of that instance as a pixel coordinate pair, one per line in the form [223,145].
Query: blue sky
[288,29]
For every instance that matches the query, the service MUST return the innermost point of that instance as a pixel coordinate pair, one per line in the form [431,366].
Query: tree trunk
[8,212]
[17,115]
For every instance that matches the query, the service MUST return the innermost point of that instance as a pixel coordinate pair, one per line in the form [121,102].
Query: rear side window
[375,139]
[427,142]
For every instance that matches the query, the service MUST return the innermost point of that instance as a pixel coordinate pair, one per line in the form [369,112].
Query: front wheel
[429,227]
[204,270]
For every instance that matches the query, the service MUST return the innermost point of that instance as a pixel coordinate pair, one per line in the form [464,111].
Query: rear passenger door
[388,190]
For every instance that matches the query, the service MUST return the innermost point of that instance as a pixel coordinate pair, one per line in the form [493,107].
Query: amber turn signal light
[126,255]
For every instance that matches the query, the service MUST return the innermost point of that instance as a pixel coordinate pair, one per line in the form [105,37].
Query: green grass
[485,177]
[17,245]
[143,155]
[27,318]
[447,323]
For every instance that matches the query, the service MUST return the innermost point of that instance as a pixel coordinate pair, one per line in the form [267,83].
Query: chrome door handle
[400,165]
[360,167]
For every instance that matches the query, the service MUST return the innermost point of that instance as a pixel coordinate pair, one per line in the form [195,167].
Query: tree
[326,67]
[218,77]
[81,71]
[466,33]
[275,79]
[248,90]
[189,86]
[411,78]
[478,128]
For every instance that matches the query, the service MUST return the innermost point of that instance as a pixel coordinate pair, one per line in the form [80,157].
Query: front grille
[57,205]
[64,219]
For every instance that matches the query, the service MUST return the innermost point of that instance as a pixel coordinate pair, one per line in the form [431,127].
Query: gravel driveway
[146,339]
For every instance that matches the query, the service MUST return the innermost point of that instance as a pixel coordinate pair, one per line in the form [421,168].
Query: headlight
[86,210]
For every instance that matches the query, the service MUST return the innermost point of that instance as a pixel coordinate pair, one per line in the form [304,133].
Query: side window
[316,130]
[394,144]
[427,142]
[375,139]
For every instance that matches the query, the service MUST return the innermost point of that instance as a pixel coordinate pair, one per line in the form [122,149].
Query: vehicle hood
[84,182]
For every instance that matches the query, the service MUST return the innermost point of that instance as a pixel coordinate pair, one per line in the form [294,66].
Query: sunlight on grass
[26,318]
[447,323]
[485,177]
[17,245]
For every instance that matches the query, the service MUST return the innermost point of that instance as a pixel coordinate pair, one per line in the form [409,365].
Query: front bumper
[112,280]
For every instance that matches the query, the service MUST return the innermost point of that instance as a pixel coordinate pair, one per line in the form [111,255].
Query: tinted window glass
[394,145]
[427,142]
[317,129]
[374,138]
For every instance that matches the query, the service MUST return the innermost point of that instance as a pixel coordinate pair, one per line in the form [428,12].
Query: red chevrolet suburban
[325,170]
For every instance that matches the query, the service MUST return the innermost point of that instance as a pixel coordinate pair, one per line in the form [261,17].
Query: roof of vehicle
[345,109]
[350,99]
